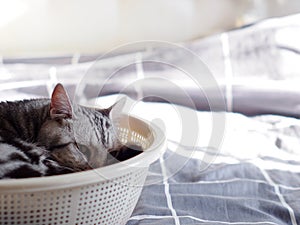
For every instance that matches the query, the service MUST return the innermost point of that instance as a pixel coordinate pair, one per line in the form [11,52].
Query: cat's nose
[85,167]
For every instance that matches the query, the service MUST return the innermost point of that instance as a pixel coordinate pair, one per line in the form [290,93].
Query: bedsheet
[254,180]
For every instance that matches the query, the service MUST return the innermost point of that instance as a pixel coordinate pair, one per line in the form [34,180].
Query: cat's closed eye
[59,146]
[85,150]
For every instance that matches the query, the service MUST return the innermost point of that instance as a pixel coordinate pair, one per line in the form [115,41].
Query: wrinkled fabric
[261,189]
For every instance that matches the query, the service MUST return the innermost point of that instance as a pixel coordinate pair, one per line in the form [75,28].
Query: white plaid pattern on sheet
[263,189]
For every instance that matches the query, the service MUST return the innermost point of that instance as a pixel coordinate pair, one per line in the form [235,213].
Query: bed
[252,174]
[253,180]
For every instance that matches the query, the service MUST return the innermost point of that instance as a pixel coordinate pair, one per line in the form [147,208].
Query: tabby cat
[43,137]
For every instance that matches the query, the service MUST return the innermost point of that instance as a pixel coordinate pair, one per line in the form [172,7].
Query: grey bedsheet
[264,189]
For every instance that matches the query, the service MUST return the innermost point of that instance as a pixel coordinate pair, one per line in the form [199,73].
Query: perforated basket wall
[108,202]
[91,197]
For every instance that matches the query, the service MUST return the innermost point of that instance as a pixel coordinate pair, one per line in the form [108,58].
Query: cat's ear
[115,111]
[60,106]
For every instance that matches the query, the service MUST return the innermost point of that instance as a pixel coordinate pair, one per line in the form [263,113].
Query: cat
[43,137]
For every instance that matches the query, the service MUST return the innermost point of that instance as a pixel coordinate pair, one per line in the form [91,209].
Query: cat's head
[78,137]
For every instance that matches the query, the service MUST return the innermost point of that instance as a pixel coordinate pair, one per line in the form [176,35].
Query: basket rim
[102,174]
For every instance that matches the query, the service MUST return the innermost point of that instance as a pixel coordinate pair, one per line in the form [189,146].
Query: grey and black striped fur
[50,136]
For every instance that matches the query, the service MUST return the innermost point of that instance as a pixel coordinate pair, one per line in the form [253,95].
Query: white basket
[105,195]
